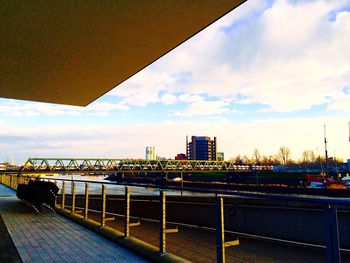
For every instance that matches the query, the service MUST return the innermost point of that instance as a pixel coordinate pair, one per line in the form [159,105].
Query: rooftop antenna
[325,148]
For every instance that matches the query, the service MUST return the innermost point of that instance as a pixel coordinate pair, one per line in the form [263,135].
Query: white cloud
[288,25]
[340,102]
[168,99]
[105,106]
[199,106]
[30,109]
[288,57]
[141,99]
[129,141]
[190,98]
[146,81]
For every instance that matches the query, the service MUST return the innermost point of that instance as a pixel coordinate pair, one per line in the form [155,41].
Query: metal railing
[330,211]
[13,180]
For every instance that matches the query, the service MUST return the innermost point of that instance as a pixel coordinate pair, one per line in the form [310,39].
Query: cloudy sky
[270,73]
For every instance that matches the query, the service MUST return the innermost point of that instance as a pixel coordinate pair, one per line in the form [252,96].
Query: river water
[96,188]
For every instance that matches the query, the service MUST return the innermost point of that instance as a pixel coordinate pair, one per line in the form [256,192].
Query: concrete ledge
[134,244]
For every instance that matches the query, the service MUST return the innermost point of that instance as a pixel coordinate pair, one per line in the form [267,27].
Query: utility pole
[325,148]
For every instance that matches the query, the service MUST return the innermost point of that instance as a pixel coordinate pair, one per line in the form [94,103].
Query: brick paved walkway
[49,237]
[8,252]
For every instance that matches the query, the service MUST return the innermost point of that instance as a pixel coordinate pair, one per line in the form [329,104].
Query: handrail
[322,200]
[330,211]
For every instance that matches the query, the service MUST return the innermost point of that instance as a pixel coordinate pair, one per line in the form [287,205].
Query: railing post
[16,181]
[103,206]
[220,237]
[10,181]
[86,208]
[162,234]
[332,237]
[63,191]
[73,198]
[162,221]
[127,212]
[182,182]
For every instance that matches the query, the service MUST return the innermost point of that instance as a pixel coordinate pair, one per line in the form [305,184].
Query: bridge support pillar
[332,235]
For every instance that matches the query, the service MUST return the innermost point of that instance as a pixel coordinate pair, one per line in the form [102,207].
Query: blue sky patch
[346,90]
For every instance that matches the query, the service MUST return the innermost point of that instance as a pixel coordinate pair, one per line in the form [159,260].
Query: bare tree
[284,154]
[264,160]
[274,160]
[267,160]
[246,159]
[312,155]
[237,159]
[256,156]
[338,159]
[308,156]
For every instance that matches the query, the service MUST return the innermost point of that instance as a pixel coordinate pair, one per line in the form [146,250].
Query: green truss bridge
[84,165]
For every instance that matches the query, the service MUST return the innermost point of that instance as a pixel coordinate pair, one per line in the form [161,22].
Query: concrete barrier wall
[295,221]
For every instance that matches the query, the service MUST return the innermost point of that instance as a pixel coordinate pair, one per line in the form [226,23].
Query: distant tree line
[282,157]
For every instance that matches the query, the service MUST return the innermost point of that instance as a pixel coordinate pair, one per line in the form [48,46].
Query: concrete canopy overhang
[72,52]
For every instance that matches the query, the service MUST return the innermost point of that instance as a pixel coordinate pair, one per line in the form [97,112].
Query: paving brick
[50,237]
